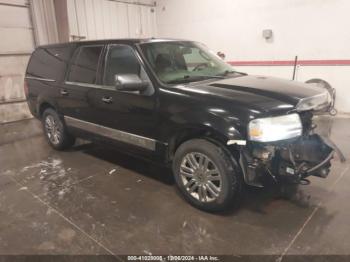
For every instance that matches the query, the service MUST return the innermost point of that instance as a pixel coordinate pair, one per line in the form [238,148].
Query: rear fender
[43,103]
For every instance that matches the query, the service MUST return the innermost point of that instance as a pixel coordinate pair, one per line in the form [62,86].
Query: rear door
[80,77]
[45,74]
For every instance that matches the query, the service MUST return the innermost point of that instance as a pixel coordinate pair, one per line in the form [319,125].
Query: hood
[264,93]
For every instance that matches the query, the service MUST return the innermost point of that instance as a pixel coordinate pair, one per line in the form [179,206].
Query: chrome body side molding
[238,142]
[115,134]
[82,84]
[40,79]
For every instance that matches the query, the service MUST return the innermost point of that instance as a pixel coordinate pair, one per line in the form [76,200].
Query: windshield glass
[181,61]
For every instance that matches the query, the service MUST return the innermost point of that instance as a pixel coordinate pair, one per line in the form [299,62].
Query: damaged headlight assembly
[290,161]
[317,102]
[277,128]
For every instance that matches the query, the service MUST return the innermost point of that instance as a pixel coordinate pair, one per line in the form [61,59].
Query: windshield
[183,62]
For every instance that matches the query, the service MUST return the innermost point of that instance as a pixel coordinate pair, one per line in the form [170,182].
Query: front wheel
[206,175]
[55,130]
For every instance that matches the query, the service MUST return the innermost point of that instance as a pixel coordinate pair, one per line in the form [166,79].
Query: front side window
[84,67]
[121,60]
[181,61]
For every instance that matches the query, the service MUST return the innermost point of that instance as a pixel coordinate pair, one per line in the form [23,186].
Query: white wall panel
[134,18]
[13,64]
[14,40]
[11,77]
[148,22]
[310,29]
[81,18]
[106,16]
[101,19]
[13,112]
[72,17]
[44,21]
[90,19]
[11,87]
[337,76]
[17,39]
[313,30]
[99,22]
[14,2]
[121,22]
[12,16]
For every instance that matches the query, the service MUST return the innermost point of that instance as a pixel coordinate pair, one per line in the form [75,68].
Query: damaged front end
[291,160]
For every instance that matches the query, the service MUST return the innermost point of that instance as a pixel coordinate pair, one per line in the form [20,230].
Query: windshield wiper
[188,78]
[227,72]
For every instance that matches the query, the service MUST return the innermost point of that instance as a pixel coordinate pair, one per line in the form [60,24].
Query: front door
[125,116]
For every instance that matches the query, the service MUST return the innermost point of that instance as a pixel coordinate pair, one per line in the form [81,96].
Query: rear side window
[50,62]
[85,63]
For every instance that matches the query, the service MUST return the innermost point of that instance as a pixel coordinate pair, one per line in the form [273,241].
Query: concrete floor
[92,200]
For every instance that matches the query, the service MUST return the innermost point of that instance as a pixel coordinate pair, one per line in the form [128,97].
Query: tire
[333,111]
[55,130]
[220,169]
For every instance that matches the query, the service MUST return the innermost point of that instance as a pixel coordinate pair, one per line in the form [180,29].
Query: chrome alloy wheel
[201,177]
[52,130]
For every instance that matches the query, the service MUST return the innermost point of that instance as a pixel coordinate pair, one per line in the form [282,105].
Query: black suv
[176,102]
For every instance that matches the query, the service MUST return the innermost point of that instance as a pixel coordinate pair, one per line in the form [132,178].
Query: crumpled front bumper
[288,161]
[308,156]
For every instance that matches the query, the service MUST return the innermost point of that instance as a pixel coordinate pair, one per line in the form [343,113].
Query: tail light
[25,87]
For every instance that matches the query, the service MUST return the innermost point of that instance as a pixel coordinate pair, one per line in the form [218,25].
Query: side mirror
[129,82]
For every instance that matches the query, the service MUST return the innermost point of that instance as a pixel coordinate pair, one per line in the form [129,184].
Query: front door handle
[64,92]
[107,100]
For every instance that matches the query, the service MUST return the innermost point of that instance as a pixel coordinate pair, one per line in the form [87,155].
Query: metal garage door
[17,42]
[98,19]
[23,24]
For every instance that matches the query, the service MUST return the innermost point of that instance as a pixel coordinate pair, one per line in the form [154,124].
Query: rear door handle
[64,92]
[107,100]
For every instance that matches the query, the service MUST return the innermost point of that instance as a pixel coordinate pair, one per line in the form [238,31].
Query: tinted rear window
[49,62]
[84,66]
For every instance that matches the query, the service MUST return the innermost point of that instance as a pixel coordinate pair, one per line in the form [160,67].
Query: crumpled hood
[282,89]
[263,93]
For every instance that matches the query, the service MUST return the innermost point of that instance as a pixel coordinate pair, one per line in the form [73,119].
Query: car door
[80,77]
[128,117]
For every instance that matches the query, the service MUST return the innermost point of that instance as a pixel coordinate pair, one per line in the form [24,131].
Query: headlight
[314,102]
[275,128]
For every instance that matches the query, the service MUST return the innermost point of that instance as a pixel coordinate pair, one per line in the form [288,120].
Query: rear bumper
[32,107]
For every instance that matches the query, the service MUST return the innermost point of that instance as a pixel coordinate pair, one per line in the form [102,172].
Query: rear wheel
[55,130]
[206,175]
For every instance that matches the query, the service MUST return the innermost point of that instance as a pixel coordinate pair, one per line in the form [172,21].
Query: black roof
[111,41]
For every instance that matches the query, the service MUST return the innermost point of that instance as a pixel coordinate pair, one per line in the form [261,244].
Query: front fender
[193,124]
[215,122]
